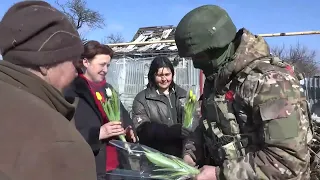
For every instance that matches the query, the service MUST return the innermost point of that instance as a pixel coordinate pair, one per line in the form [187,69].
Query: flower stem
[122,138]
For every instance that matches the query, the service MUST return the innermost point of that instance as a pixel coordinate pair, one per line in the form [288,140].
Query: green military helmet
[203,28]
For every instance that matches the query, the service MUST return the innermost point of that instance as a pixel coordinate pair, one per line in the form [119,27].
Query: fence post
[201,82]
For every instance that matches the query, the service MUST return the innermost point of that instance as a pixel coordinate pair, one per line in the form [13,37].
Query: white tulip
[108,92]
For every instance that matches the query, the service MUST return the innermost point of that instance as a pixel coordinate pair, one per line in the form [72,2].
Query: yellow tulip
[194,98]
[190,93]
[98,95]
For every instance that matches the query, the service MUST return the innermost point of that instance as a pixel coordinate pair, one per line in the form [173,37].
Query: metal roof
[144,34]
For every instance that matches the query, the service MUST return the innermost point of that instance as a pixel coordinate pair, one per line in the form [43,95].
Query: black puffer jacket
[157,124]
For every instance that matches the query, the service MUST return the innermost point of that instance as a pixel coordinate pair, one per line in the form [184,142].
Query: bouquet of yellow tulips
[155,164]
[190,106]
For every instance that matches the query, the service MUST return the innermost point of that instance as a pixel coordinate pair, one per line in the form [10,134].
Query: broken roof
[147,34]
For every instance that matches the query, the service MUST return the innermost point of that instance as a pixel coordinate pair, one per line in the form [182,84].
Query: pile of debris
[315,150]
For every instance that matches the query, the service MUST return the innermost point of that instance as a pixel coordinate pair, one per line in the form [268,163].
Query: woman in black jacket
[158,111]
[90,118]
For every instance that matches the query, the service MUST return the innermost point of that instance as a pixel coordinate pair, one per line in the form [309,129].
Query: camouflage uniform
[256,121]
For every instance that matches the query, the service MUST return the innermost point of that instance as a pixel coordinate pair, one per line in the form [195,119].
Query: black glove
[178,131]
[189,148]
[150,131]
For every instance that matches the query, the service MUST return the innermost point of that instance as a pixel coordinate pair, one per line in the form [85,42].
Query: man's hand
[188,159]
[207,173]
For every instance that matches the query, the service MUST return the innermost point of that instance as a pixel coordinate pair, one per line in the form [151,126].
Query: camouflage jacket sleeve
[275,108]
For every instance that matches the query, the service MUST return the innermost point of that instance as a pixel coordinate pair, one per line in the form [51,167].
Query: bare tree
[302,58]
[80,15]
[113,38]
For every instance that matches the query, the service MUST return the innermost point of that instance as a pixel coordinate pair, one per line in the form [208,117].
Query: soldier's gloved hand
[189,146]
[188,153]
[180,131]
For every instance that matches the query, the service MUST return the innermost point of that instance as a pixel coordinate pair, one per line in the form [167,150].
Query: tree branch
[113,38]
[302,58]
[79,14]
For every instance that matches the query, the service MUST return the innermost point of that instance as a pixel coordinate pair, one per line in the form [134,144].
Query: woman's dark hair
[91,49]
[157,63]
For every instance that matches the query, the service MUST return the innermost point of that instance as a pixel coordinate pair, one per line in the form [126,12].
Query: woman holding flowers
[158,111]
[91,119]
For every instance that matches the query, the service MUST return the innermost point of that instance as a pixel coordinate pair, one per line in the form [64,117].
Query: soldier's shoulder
[270,82]
[267,72]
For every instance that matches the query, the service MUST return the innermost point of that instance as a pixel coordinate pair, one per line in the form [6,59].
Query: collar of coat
[249,48]
[23,79]
[153,93]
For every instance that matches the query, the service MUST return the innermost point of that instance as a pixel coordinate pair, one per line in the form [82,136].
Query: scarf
[23,79]
[219,57]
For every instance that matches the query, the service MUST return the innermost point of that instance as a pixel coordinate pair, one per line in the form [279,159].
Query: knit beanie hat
[33,33]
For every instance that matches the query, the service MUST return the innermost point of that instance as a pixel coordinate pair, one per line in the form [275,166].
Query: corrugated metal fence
[312,89]
[129,77]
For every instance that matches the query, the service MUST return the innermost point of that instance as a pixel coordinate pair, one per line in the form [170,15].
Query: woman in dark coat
[158,111]
[90,119]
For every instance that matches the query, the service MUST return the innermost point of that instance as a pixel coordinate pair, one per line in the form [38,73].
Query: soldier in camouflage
[255,123]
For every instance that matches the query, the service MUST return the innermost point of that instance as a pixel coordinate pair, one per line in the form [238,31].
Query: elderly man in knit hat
[39,46]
